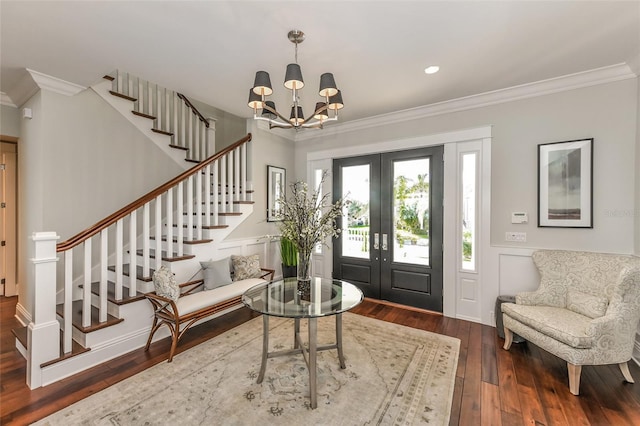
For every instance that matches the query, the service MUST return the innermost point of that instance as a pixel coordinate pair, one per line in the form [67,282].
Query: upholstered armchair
[585,311]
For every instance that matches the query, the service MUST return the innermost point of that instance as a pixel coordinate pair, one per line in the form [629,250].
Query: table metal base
[310,354]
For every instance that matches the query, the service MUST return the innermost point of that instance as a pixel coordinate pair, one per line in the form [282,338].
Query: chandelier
[264,109]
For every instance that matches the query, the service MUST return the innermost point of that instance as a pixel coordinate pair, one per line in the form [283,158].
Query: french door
[391,239]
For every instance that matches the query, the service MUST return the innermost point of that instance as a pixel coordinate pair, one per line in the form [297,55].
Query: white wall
[229,128]
[606,112]
[80,161]
[9,121]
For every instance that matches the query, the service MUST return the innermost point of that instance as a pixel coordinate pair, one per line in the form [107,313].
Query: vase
[304,275]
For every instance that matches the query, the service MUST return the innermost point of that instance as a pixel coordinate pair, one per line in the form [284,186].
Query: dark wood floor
[525,386]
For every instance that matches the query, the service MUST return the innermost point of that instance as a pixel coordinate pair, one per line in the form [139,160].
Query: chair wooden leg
[624,368]
[154,328]
[574,378]
[508,338]
[174,343]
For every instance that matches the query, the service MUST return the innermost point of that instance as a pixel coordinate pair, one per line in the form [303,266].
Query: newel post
[44,330]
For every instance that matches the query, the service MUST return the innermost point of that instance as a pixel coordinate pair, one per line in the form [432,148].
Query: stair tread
[122,95]
[175,240]
[108,77]
[178,147]
[76,349]
[142,114]
[111,293]
[174,256]
[208,226]
[21,334]
[76,317]
[190,160]
[219,214]
[125,271]
[162,132]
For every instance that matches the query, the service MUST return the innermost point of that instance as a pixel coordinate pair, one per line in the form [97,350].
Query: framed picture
[565,184]
[276,184]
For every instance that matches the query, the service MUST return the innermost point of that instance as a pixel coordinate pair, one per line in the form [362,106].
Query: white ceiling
[377,50]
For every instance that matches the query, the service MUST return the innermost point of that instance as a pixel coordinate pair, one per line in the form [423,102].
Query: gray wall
[608,113]
[9,121]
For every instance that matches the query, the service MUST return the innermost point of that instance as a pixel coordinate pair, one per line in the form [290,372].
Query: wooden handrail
[113,218]
[193,108]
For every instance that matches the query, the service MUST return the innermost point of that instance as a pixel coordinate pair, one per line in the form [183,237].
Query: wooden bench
[194,305]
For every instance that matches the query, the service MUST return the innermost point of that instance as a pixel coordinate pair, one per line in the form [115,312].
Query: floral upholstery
[585,310]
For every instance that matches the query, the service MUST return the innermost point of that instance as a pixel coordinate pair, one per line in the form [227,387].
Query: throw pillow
[246,267]
[216,273]
[165,284]
[587,304]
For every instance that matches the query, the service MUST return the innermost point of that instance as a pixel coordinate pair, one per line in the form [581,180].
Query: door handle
[384,241]
[376,241]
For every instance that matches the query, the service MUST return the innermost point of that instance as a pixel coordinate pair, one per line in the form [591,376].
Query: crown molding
[6,100]
[55,84]
[578,80]
[32,81]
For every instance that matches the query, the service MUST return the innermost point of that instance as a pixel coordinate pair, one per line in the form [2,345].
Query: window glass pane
[355,215]
[411,181]
[469,202]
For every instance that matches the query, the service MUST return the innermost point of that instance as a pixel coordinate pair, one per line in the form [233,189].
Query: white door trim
[451,140]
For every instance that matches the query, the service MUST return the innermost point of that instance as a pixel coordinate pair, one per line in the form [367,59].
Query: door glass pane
[355,216]
[469,211]
[411,211]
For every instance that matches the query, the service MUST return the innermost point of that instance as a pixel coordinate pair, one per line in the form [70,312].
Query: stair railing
[183,207]
[172,112]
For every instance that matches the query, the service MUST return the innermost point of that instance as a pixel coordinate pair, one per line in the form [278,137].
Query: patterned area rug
[395,375]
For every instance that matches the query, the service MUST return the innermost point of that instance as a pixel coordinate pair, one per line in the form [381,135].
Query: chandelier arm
[317,123]
[274,111]
[273,123]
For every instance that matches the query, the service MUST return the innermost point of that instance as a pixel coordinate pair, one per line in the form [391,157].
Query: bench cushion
[559,323]
[202,299]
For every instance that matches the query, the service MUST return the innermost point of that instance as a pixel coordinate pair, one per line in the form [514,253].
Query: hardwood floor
[524,386]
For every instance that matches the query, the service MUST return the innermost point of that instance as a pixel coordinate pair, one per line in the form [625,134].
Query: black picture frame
[565,184]
[276,185]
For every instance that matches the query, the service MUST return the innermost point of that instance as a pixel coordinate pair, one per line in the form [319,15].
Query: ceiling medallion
[264,109]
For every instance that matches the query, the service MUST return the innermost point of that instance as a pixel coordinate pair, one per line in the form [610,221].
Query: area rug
[395,375]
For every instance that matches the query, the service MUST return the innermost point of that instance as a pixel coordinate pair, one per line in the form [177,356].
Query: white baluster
[223,184]
[104,256]
[145,245]
[125,83]
[243,161]
[199,205]
[172,113]
[207,195]
[119,254]
[164,126]
[146,97]
[229,202]
[190,208]
[117,81]
[169,221]
[215,188]
[158,232]
[236,174]
[133,252]
[180,123]
[136,94]
[68,300]
[156,113]
[86,290]
[180,215]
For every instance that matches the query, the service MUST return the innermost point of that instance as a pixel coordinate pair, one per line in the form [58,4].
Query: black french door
[391,240]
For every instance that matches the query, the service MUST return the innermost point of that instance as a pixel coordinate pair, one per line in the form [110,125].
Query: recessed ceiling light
[432,69]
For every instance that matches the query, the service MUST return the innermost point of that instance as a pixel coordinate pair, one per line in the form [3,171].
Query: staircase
[89,304]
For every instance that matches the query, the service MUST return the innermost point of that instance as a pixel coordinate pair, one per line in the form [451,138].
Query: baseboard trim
[22,315]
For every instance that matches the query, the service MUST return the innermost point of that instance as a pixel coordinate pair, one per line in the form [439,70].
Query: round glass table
[286,298]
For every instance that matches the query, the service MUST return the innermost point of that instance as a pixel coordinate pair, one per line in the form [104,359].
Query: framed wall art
[276,184]
[565,184]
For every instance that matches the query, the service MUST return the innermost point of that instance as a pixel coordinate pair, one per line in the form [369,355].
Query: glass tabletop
[283,298]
